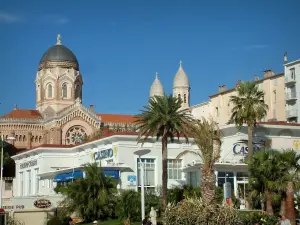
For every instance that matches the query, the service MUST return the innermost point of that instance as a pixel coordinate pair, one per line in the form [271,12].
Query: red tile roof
[117,118]
[23,114]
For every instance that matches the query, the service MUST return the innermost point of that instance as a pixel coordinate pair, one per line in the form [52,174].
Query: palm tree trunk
[250,142]
[208,184]
[164,172]
[290,208]
[269,207]
[283,206]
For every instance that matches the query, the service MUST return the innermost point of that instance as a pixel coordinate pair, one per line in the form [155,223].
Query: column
[45,137]
[235,184]
[216,174]
[58,138]
[29,144]
[12,134]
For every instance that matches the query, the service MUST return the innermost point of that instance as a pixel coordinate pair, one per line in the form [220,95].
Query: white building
[39,170]
[292,87]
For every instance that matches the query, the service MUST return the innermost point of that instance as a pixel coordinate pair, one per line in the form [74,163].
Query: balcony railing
[289,79]
[291,113]
[291,95]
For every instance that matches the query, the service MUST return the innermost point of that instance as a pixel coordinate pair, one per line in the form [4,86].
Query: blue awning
[75,175]
[68,176]
[79,174]
[59,178]
[111,173]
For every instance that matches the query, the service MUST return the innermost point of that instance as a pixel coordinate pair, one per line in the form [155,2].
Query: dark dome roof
[58,54]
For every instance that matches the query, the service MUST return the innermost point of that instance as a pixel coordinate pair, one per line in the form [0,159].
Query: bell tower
[181,87]
[58,80]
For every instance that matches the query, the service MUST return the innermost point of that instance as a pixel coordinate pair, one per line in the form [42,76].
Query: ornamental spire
[156,75]
[58,39]
[180,64]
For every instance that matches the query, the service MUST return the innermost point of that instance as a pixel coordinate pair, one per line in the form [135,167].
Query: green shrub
[196,212]
[54,221]
[128,206]
[252,217]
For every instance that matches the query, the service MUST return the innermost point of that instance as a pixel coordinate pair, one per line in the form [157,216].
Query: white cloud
[9,18]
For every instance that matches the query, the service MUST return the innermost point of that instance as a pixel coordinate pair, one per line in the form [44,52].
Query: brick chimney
[92,108]
[268,73]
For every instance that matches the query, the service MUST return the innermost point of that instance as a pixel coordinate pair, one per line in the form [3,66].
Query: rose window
[75,134]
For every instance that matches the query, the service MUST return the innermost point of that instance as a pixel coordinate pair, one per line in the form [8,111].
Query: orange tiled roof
[116,118]
[23,114]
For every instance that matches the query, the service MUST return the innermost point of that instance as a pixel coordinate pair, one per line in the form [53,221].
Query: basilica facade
[60,118]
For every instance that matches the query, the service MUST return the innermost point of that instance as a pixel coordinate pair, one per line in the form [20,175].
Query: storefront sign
[241,147]
[103,154]
[11,207]
[131,179]
[42,203]
[28,164]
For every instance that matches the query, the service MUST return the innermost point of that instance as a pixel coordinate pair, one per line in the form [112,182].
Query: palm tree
[248,108]
[266,169]
[289,180]
[92,197]
[163,118]
[207,136]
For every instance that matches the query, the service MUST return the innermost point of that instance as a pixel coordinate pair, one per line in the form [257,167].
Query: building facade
[292,87]
[40,170]
[219,107]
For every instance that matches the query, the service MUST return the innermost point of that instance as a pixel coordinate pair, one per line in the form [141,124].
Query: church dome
[58,55]
[181,79]
[156,88]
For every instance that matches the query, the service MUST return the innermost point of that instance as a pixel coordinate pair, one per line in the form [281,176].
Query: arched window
[179,96]
[49,90]
[77,91]
[64,90]
[184,98]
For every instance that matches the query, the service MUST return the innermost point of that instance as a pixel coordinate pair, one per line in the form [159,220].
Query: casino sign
[241,146]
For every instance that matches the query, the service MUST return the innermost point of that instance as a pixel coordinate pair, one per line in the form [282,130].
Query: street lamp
[2,156]
[140,153]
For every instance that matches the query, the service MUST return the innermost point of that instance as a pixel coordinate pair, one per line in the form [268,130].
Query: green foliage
[196,212]
[92,197]
[163,118]
[271,170]
[248,105]
[129,205]
[250,218]
[54,221]
[177,194]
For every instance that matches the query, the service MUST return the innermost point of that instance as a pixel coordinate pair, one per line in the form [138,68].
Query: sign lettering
[28,164]
[103,154]
[241,148]
[11,207]
[42,203]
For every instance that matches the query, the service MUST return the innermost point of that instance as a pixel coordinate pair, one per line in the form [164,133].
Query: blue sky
[121,44]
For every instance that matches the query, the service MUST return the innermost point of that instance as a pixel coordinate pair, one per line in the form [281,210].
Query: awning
[75,175]
[111,173]
[59,178]
[68,176]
